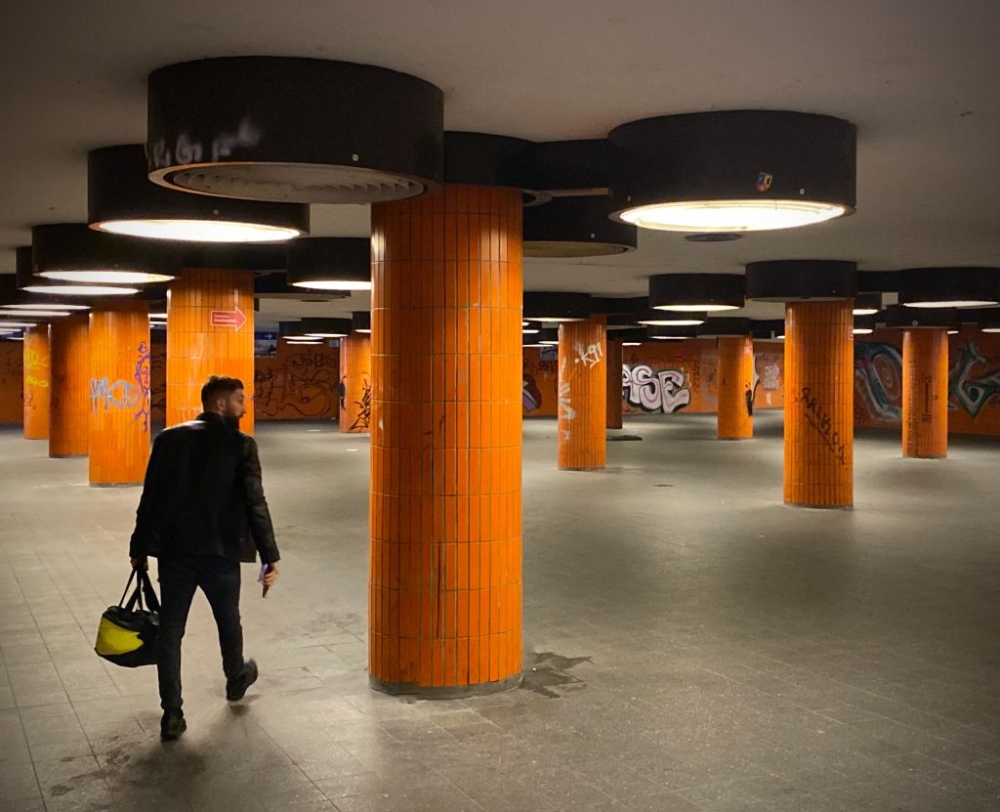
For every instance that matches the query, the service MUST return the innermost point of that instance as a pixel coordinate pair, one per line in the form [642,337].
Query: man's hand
[271,575]
[141,563]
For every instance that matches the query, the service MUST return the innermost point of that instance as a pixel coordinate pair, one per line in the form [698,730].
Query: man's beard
[231,420]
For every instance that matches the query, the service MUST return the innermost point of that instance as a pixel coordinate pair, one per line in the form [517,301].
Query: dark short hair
[219,386]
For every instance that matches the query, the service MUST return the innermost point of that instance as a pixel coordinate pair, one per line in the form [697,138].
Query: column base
[734,438]
[443,691]
[925,456]
[66,456]
[115,484]
[820,507]
[586,468]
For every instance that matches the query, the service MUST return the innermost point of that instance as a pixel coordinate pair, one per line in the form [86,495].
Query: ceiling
[918,77]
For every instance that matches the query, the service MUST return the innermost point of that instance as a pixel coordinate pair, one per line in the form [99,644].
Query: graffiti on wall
[364,418]
[767,376]
[878,383]
[968,388]
[125,394]
[538,374]
[11,382]
[299,386]
[665,391]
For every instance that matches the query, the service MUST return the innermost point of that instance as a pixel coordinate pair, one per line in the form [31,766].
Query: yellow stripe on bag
[112,639]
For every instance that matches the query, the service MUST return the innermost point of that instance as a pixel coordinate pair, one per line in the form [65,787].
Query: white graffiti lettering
[589,356]
[665,391]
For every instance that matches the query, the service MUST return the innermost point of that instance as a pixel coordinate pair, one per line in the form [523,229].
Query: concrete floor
[691,643]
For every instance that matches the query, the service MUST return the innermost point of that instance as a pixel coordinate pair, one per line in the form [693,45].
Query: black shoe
[172,725]
[236,687]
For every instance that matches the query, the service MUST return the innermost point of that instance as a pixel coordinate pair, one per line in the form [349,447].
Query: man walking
[202,512]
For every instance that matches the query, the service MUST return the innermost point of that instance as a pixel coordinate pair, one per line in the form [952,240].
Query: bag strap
[147,589]
[128,586]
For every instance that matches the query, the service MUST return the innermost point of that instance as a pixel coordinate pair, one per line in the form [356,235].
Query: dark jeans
[219,579]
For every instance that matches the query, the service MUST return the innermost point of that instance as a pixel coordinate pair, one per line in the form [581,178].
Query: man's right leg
[178,581]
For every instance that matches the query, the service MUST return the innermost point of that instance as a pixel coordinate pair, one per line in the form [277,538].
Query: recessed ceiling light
[40,314]
[43,306]
[696,292]
[96,277]
[631,343]
[671,322]
[301,342]
[735,171]
[863,331]
[198,230]
[953,303]
[81,290]
[864,311]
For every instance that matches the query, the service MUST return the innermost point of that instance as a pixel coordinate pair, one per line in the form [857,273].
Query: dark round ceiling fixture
[121,200]
[575,227]
[631,338]
[13,298]
[696,292]
[660,318]
[867,304]
[767,329]
[724,326]
[291,332]
[326,328]
[484,159]
[361,321]
[68,259]
[864,325]
[725,236]
[908,318]
[664,332]
[801,280]
[556,307]
[293,130]
[330,263]
[949,287]
[735,171]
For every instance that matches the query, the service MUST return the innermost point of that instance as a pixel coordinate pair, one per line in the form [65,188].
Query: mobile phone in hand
[260,580]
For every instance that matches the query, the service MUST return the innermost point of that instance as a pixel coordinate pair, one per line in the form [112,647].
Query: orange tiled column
[69,404]
[209,332]
[36,383]
[614,378]
[735,378]
[119,393]
[445,508]
[925,393]
[583,394]
[356,383]
[819,404]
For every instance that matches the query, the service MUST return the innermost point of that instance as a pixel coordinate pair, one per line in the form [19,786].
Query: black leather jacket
[203,495]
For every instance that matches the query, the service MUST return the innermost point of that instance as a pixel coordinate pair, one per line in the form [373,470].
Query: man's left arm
[258,513]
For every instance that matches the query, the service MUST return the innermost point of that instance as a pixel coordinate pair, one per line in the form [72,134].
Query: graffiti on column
[666,391]
[878,382]
[819,418]
[143,377]
[589,356]
[970,392]
[362,421]
[566,410]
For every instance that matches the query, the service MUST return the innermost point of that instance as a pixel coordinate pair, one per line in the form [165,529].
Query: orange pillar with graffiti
[735,387]
[355,383]
[445,507]
[69,404]
[819,404]
[36,383]
[583,394]
[925,393]
[209,332]
[614,378]
[119,393]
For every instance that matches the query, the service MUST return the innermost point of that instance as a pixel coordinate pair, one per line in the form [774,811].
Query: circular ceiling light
[361,321]
[302,342]
[905,318]
[867,304]
[17,325]
[674,332]
[326,328]
[696,292]
[330,263]
[735,171]
[293,130]
[575,227]
[81,290]
[801,280]
[659,318]
[552,307]
[35,314]
[949,287]
[72,252]
[121,200]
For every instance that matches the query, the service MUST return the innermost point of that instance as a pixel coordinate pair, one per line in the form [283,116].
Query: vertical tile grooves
[819,404]
[37,382]
[119,384]
[444,513]
[69,399]
[356,378]
[925,393]
[583,393]
[197,348]
[735,379]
